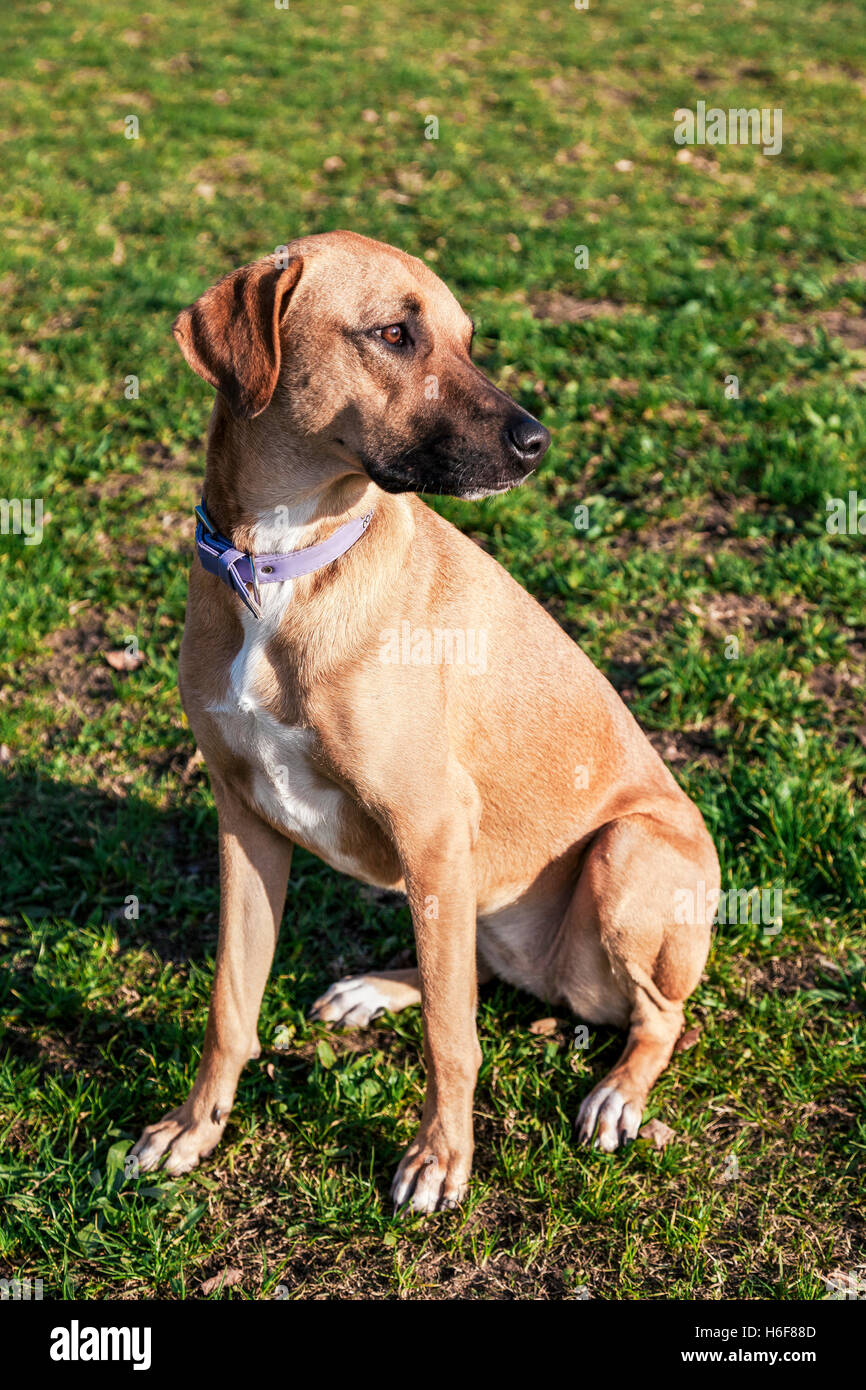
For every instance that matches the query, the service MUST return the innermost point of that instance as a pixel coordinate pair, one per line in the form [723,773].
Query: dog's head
[356,347]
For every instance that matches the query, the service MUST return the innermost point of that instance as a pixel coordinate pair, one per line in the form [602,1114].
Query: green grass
[706,521]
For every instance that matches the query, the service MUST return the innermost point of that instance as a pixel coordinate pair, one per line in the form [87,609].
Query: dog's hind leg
[646,897]
[254,871]
[357,1000]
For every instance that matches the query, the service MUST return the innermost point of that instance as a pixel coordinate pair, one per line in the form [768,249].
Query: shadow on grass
[81,854]
[73,860]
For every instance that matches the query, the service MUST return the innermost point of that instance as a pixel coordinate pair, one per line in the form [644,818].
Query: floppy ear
[231,335]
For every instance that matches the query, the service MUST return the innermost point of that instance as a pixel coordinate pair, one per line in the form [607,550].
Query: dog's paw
[429,1179]
[350,1003]
[611,1114]
[178,1139]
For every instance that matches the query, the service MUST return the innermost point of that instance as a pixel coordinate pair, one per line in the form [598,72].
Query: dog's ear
[231,335]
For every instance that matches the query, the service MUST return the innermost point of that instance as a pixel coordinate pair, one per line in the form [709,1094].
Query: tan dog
[408,712]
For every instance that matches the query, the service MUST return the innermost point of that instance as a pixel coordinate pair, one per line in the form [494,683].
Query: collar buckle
[244,572]
[202,514]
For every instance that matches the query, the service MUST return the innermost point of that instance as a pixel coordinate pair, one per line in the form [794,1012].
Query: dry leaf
[687,1040]
[543,1027]
[226,1279]
[194,762]
[124,660]
[659,1133]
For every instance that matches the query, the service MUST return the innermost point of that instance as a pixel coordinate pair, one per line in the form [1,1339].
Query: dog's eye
[394,335]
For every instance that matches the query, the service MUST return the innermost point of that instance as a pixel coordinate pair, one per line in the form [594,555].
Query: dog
[515,801]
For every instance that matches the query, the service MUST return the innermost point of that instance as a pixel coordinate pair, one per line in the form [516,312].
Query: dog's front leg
[254,872]
[440,879]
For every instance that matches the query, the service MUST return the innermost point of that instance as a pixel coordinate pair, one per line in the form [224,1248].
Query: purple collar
[244,572]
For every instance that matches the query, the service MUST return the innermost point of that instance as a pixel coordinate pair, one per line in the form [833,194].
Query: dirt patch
[850,328]
[678,748]
[721,616]
[343,1042]
[702,525]
[846,323]
[158,500]
[559,209]
[849,273]
[178,762]
[74,667]
[787,975]
[727,613]
[74,676]
[841,689]
[563,308]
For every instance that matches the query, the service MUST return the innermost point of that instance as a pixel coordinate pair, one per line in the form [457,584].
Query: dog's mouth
[483,492]
[452,467]
[440,475]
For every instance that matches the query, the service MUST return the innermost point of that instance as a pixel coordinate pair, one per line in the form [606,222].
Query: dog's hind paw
[178,1139]
[350,1003]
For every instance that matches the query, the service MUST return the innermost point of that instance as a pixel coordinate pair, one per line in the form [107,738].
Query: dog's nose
[526,439]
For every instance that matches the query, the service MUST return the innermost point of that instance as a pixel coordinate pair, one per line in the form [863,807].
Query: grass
[705,522]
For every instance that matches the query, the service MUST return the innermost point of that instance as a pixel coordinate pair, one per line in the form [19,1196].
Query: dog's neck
[269,494]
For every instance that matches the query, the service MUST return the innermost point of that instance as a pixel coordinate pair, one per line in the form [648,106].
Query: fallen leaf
[333,163]
[687,1040]
[194,762]
[226,1279]
[659,1133]
[543,1027]
[124,660]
